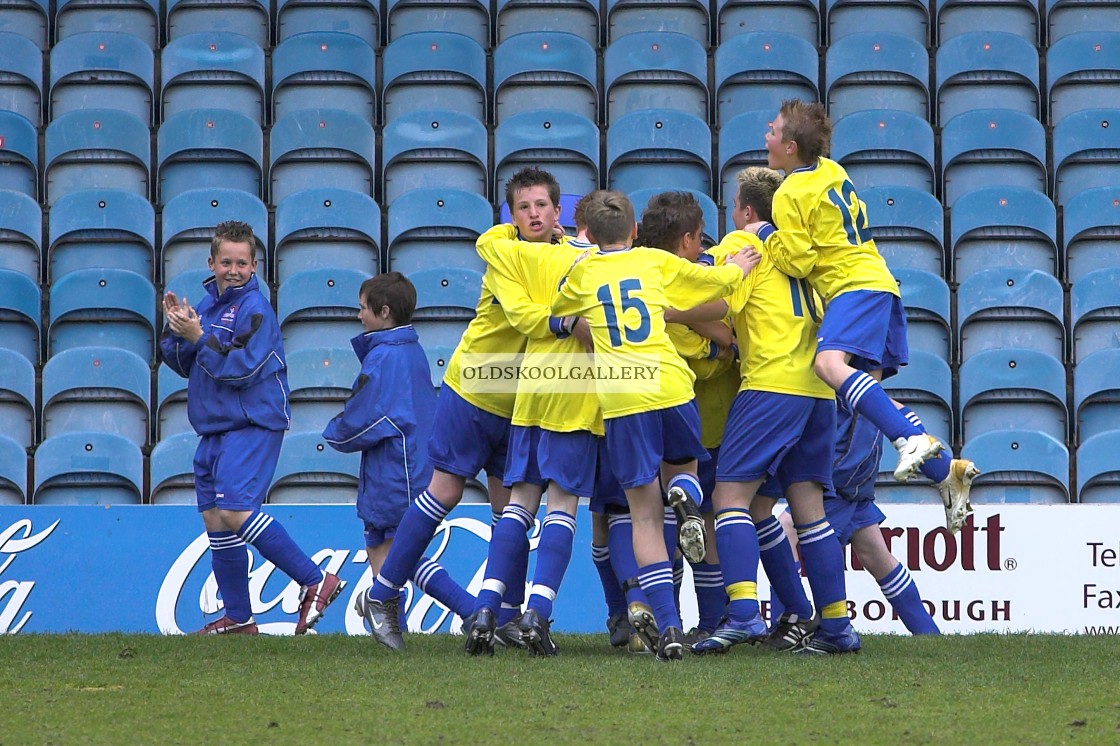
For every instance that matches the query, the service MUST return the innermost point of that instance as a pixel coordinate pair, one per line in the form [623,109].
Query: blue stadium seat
[324,70]
[1010,307]
[327,227]
[434,70]
[468,17]
[439,343]
[319,308]
[19,155]
[1091,228]
[876,70]
[29,19]
[908,226]
[1020,466]
[1096,394]
[97,389]
[1095,312]
[926,299]
[17,398]
[209,148]
[101,228]
[13,472]
[172,470]
[320,380]
[566,144]
[88,469]
[987,70]
[801,17]
[20,314]
[1065,17]
[639,16]
[362,18]
[139,18]
[1003,227]
[655,70]
[311,472]
[659,148]
[437,227]
[742,143]
[640,198]
[1082,71]
[247,17]
[926,386]
[445,304]
[188,227]
[1013,388]
[102,308]
[884,147]
[21,233]
[908,17]
[1098,472]
[758,71]
[21,77]
[102,70]
[319,147]
[1086,153]
[433,149]
[579,17]
[213,70]
[545,70]
[171,400]
[96,149]
[1019,17]
[987,147]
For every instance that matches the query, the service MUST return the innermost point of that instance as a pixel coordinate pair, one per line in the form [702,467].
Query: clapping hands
[182,318]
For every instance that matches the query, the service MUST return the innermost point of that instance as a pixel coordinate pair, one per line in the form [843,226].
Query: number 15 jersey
[822,233]
[623,294]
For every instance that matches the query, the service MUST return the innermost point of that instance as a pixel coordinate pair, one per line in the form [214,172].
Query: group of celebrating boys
[768,351]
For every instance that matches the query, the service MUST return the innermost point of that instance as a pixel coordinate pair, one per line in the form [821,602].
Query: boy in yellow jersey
[779,433]
[821,236]
[471,430]
[652,425]
[554,434]
[674,221]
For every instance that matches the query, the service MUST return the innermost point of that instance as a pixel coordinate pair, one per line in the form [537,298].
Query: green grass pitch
[981,689]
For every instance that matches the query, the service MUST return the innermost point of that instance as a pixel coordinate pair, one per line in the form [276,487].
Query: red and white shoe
[227,626]
[314,600]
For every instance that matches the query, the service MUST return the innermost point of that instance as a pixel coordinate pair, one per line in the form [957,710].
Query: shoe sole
[692,541]
[479,642]
[902,473]
[645,627]
[313,620]
[534,643]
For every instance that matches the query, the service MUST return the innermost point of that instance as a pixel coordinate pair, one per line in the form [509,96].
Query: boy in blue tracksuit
[237,401]
[388,417]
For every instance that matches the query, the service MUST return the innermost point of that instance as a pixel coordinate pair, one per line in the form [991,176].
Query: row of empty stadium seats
[755,71]
[102,148]
[1022,466]
[325,226]
[486,22]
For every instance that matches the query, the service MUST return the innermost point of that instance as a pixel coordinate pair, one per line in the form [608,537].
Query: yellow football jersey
[776,318]
[717,381]
[489,333]
[623,294]
[524,280]
[822,233]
